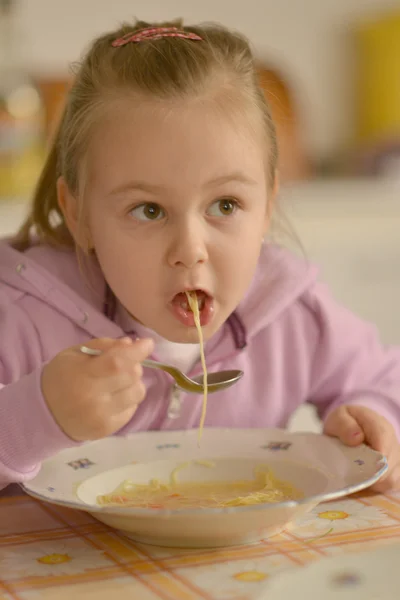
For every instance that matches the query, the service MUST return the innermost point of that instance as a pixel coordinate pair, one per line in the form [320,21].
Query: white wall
[306,38]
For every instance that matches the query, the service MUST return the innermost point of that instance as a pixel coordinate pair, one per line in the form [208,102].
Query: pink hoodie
[291,339]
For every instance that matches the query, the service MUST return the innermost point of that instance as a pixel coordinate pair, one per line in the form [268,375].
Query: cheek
[238,259]
[250,235]
[247,249]
[112,249]
[124,263]
[108,239]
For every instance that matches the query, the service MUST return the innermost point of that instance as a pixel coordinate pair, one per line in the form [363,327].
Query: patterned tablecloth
[48,552]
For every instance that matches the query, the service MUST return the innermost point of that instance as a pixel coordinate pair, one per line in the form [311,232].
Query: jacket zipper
[175,403]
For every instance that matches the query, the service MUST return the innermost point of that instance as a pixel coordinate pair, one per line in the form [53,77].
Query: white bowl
[320,467]
[203,527]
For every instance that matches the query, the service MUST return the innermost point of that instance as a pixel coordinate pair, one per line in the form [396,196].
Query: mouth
[181,309]
[183,299]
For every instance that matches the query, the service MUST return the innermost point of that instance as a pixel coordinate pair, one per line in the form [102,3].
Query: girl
[162,179]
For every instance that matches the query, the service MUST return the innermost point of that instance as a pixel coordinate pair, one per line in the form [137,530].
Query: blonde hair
[165,68]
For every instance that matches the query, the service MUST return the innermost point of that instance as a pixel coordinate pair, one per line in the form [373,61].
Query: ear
[72,213]
[271,200]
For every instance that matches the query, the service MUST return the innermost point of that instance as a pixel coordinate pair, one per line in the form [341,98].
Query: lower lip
[186,317]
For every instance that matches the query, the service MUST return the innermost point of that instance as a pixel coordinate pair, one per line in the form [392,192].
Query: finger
[128,398]
[117,365]
[118,421]
[106,386]
[379,433]
[341,424]
[124,406]
[124,356]
[127,354]
[116,374]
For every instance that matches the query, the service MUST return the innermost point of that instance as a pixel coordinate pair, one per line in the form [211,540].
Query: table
[52,553]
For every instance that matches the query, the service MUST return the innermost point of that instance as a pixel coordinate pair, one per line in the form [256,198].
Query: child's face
[176,200]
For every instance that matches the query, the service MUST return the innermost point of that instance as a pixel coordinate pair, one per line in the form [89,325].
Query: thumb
[341,424]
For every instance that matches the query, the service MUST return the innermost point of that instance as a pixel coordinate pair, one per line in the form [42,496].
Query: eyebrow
[142,186]
[236,177]
[139,186]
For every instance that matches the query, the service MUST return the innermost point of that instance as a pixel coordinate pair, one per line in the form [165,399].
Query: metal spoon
[215,381]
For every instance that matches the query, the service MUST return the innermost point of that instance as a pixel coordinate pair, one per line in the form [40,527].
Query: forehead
[160,141]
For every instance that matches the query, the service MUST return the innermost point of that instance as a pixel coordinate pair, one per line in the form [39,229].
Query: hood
[280,280]
[55,277]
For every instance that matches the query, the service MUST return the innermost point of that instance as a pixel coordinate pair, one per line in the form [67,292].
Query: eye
[148,212]
[223,208]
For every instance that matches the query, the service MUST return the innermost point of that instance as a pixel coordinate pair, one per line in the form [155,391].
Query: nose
[188,246]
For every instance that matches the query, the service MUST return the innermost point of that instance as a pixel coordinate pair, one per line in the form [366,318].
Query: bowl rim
[315,499]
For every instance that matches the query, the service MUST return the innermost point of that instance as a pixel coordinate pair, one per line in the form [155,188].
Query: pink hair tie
[154,33]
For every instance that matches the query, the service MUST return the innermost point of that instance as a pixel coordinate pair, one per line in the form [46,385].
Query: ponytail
[45,219]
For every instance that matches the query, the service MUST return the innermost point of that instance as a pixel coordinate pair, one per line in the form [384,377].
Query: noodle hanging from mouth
[194,306]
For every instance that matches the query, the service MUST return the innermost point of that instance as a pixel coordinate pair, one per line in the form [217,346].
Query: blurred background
[331,70]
